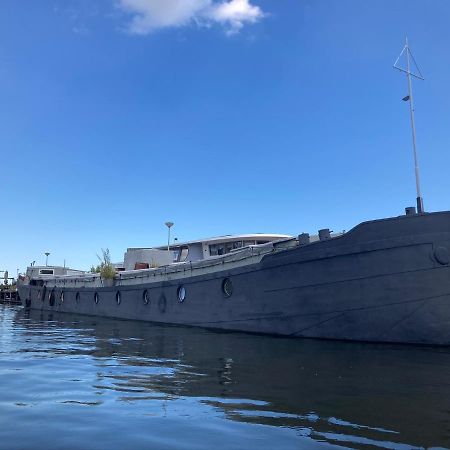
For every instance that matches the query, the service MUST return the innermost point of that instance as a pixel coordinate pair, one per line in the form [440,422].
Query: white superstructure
[192,251]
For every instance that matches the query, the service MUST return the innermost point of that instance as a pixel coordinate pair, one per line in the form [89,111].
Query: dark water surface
[76,382]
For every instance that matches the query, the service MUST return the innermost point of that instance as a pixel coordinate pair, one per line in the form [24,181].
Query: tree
[105,268]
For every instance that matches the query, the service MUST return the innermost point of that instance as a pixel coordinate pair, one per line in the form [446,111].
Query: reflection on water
[78,382]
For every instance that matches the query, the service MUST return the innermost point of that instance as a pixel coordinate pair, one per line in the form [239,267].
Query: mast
[410,58]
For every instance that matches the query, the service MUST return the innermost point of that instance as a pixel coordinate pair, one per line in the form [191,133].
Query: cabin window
[183,254]
[227,247]
[46,272]
[217,249]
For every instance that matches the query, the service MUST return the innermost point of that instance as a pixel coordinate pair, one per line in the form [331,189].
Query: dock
[8,290]
[10,296]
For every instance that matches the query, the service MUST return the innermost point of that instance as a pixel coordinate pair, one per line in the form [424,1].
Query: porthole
[146,297]
[77,297]
[51,298]
[118,297]
[96,298]
[227,287]
[61,297]
[181,294]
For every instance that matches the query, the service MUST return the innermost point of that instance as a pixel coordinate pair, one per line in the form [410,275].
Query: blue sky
[247,116]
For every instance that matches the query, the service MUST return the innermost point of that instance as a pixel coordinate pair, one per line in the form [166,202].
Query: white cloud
[150,15]
[235,14]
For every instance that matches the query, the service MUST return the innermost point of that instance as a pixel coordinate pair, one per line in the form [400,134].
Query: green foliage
[108,272]
[105,268]
[96,269]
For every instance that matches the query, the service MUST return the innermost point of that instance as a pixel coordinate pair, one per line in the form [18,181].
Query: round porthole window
[227,287]
[51,298]
[61,297]
[181,294]
[96,298]
[77,297]
[118,297]
[145,297]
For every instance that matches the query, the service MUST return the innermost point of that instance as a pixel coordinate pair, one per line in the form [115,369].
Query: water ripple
[75,382]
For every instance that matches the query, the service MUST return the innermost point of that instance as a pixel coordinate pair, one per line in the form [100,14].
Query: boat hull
[384,281]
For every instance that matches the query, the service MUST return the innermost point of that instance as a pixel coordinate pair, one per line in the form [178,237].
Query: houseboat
[385,280]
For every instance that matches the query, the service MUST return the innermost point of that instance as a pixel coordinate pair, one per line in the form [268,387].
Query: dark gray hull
[384,281]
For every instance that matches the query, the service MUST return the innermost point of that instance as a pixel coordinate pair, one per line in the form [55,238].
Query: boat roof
[225,238]
[55,267]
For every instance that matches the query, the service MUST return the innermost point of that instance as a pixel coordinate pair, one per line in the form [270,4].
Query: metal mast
[410,58]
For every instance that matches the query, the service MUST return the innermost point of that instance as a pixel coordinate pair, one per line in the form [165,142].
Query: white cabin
[191,251]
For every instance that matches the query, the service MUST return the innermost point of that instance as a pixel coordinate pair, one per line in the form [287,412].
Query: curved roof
[227,238]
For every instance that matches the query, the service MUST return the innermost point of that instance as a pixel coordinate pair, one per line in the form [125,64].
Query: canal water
[77,382]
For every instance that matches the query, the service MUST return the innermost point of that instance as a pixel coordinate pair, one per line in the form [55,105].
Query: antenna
[409,98]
